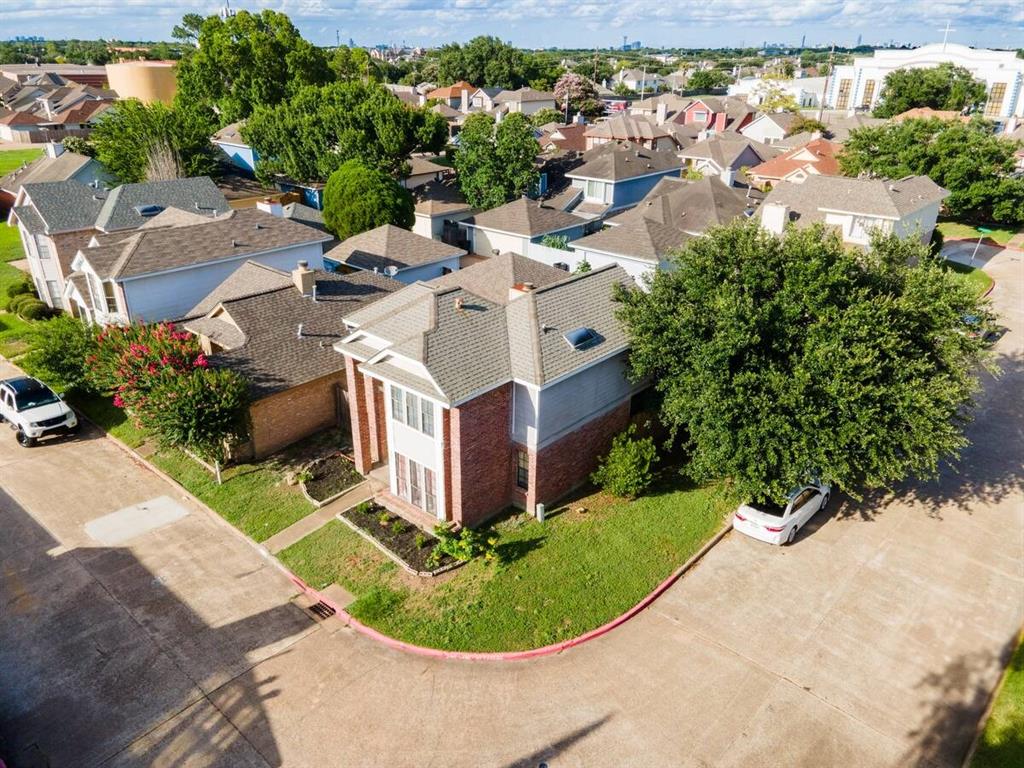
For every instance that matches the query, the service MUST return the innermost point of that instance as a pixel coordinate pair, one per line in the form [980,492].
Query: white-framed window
[429,491]
[415,486]
[53,290]
[412,410]
[397,404]
[595,190]
[96,289]
[427,417]
[401,475]
[43,247]
[109,296]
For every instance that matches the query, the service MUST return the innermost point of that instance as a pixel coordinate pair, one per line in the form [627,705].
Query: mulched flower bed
[398,536]
[331,476]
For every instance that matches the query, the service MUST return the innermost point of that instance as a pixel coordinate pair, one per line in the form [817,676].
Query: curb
[352,622]
[533,653]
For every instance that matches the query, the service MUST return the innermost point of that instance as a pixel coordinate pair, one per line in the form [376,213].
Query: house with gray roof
[856,207]
[525,100]
[618,174]
[723,155]
[58,218]
[493,386]
[277,328]
[161,270]
[513,226]
[396,252]
[55,164]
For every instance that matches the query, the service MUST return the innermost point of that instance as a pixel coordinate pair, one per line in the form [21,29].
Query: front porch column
[359,416]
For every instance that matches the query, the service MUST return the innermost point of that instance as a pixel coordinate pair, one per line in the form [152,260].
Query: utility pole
[828,79]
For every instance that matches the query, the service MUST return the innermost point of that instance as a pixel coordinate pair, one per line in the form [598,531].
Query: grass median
[554,580]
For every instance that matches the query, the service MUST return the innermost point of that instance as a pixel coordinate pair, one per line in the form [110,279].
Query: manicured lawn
[976,277]
[958,230]
[12,158]
[1002,743]
[554,580]
[14,333]
[102,411]
[10,244]
[254,497]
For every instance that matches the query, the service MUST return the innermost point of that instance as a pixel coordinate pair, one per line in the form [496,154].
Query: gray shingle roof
[260,331]
[469,344]
[391,246]
[45,168]
[248,280]
[691,206]
[238,234]
[626,128]
[523,94]
[525,217]
[492,278]
[65,206]
[640,238]
[616,161]
[870,197]
[725,151]
[198,194]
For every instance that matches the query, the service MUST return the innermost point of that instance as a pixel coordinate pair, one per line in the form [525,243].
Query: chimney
[54,149]
[519,289]
[304,278]
[774,217]
[662,113]
[272,207]
[465,102]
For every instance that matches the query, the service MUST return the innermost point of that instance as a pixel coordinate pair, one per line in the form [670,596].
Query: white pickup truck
[33,410]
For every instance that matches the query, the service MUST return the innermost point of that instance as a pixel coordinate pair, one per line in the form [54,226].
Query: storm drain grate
[322,610]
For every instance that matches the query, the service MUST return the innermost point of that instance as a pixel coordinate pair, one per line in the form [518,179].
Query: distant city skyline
[542,24]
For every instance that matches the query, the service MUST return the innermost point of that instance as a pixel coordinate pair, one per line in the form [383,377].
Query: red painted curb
[533,653]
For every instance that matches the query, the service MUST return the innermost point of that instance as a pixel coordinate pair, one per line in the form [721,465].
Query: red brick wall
[359,417]
[285,417]
[481,456]
[567,463]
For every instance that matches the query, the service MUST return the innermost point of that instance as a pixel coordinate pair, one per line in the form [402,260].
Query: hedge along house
[277,329]
[396,252]
[164,268]
[58,218]
[497,385]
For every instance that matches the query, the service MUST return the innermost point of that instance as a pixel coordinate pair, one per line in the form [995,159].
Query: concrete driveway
[874,641]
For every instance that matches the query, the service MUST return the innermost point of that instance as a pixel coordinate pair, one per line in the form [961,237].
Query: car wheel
[24,440]
[792,535]
[824,502]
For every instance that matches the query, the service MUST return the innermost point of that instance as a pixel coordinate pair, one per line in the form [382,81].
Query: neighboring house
[439,206]
[855,207]
[817,157]
[513,226]
[724,156]
[277,329]
[497,385]
[807,92]
[452,116]
[423,170]
[676,210]
[859,85]
[455,95]
[236,149]
[839,125]
[717,114]
[525,100]
[396,252]
[56,219]
[639,130]
[161,270]
[53,165]
[82,74]
[638,80]
[47,107]
[618,175]
[565,138]
[482,99]
[769,128]
[665,106]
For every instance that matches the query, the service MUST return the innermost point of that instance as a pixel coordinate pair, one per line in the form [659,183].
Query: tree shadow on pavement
[535,759]
[102,663]
[957,698]
[988,471]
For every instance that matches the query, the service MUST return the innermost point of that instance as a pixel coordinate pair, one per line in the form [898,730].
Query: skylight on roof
[148,210]
[580,338]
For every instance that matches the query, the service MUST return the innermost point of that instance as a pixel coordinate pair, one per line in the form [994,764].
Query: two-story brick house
[500,384]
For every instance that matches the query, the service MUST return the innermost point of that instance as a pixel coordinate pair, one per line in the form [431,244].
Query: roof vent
[234,243]
[148,210]
[390,270]
[580,338]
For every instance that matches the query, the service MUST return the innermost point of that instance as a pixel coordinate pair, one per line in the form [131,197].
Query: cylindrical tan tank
[147,81]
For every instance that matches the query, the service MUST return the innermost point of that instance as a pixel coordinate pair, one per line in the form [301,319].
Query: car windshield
[770,508]
[33,397]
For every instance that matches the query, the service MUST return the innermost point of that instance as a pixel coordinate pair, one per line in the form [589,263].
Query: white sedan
[778,524]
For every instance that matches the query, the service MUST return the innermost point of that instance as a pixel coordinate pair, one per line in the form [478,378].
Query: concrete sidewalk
[299,530]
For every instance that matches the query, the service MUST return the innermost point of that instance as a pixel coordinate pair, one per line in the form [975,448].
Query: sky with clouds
[544,23]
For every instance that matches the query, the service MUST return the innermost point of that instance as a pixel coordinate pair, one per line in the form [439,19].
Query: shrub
[60,350]
[23,286]
[421,541]
[15,304]
[627,470]
[33,309]
[461,545]
[560,242]
[937,241]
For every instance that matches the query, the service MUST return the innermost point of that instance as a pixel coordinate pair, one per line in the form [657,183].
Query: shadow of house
[90,678]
